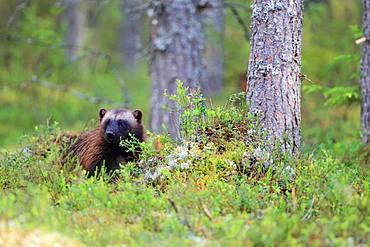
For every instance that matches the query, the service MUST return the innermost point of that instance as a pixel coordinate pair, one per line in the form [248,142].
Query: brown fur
[93,150]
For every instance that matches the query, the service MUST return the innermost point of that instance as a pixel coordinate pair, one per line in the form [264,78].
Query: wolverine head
[119,124]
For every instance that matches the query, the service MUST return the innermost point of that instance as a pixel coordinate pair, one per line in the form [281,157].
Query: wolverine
[102,146]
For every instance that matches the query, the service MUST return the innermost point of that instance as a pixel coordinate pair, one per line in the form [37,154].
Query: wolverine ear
[102,113]
[138,115]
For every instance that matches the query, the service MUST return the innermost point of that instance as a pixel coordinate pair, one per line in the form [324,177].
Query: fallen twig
[309,212]
[183,221]
[207,212]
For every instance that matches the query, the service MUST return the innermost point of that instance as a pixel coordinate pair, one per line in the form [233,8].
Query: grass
[209,189]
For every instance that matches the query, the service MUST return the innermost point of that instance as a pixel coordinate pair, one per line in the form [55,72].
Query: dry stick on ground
[294,197]
[308,215]
[182,221]
[207,212]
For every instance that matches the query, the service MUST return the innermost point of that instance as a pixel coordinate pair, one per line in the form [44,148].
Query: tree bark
[177,52]
[132,31]
[214,21]
[274,73]
[365,76]
[74,36]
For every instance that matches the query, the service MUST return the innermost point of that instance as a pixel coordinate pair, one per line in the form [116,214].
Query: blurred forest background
[42,79]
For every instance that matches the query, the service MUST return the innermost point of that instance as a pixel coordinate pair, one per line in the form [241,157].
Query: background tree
[75,18]
[274,73]
[30,32]
[214,22]
[131,34]
[178,45]
[365,75]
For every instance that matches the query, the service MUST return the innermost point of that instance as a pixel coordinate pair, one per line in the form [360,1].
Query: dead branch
[239,19]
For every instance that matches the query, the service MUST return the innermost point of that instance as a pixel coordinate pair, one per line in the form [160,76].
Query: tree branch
[239,19]
[18,9]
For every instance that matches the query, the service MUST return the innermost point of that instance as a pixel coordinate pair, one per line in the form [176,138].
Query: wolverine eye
[122,123]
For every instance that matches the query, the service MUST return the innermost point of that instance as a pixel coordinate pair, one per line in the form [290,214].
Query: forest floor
[215,187]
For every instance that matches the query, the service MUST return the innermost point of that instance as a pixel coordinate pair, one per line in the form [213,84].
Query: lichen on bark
[365,75]
[274,76]
[178,43]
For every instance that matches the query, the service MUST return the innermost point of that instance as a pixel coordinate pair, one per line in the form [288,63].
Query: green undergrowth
[217,185]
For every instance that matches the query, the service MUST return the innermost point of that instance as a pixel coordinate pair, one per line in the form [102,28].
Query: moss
[211,188]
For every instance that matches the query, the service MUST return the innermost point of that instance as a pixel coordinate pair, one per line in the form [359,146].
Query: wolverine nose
[109,135]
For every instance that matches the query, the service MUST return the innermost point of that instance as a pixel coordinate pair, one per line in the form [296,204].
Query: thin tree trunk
[214,77]
[178,45]
[74,36]
[365,76]
[274,73]
[131,35]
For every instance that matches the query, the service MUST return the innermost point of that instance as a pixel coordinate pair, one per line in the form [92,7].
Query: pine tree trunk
[365,76]
[178,45]
[74,36]
[274,73]
[131,36]
[214,21]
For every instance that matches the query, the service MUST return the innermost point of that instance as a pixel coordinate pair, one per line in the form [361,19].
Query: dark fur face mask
[118,124]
